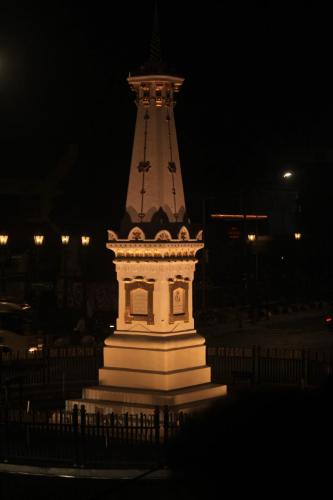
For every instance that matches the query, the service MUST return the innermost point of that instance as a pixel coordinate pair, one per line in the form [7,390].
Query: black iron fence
[79,439]
[102,440]
[61,373]
[269,366]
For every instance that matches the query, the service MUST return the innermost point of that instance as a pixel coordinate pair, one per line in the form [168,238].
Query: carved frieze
[183,233]
[136,234]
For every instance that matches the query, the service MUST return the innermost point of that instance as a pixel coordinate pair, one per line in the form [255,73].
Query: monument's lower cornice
[155,250]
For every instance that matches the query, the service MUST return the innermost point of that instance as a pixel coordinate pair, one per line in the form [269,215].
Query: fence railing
[270,366]
[61,370]
[79,439]
[82,439]
[64,371]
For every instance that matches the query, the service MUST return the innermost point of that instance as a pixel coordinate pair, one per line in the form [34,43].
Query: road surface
[295,330]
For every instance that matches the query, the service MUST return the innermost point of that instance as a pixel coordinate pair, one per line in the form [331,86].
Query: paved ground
[85,484]
[302,330]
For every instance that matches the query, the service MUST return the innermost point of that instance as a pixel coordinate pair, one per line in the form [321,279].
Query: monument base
[108,399]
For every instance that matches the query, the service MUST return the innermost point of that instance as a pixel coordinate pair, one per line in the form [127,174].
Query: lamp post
[65,242]
[252,238]
[292,177]
[3,245]
[39,241]
[85,242]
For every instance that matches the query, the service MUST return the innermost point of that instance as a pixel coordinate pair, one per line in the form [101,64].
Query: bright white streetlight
[287,174]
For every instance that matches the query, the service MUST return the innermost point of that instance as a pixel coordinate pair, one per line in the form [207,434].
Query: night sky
[257,96]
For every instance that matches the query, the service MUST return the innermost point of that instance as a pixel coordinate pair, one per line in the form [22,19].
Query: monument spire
[155,356]
[155,196]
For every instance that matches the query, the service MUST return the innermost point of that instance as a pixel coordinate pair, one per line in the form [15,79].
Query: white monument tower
[155,356]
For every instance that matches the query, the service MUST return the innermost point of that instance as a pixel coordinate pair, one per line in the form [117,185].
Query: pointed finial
[155,43]
[154,64]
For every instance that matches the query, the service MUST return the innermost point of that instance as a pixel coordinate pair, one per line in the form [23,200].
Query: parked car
[15,335]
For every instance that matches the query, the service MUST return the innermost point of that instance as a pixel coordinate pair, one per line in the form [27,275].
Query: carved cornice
[157,90]
[155,249]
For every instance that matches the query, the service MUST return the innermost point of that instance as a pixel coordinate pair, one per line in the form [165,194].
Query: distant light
[85,240]
[33,349]
[287,174]
[239,216]
[298,236]
[65,239]
[111,326]
[328,319]
[282,257]
[251,237]
[3,239]
[39,238]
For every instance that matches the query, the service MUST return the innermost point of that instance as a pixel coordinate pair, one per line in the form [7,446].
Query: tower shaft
[155,181]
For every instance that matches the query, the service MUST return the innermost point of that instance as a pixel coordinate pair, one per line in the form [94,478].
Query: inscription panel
[179,301]
[178,307]
[139,302]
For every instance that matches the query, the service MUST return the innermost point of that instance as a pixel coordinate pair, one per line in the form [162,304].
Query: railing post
[75,424]
[156,425]
[166,423]
[157,431]
[83,421]
[63,384]
[6,436]
[305,369]
[256,364]
[181,419]
[46,354]
[98,423]
[126,428]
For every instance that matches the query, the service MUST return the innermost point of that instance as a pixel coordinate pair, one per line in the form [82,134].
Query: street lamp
[298,236]
[3,243]
[65,242]
[252,238]
[39,239]
[3,239]
[65,239]
[85,241]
